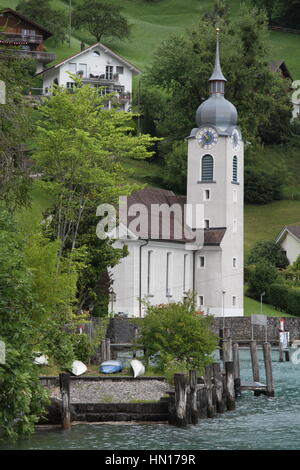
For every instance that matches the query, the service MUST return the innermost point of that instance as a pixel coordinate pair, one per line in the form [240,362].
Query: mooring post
[280,351]
[180,384]
[230,386]
[236,369]
[103,350]
[210,405]
[220,405]
[254,361]
[227,349]
[221,335]
[193,379]
[64,382]
[107,346]
[268,368]
[202,398]
[287,355]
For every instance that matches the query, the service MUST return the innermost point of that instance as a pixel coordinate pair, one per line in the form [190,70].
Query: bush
[175,333]
[278,296]
[269,251]
[260,277]
[293,301]
[262,187]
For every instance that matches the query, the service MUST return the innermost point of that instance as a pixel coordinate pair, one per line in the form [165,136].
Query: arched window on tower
[234,169]
[207,168]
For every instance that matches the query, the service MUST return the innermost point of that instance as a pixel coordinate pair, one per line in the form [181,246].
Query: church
[200,248]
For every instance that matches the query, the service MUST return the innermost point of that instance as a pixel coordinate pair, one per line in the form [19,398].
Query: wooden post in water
[227,350]
[221,335]
[202,398]
[280,351]
[268,368]
[103,350]
[254,361]
[220,405]
[287,355]
[230,386]
[236,369]
[64,382]
[180,385]
[107,346]
[210,406]
[193,396]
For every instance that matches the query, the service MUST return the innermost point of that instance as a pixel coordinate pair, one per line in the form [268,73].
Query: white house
[203,249]
[98,66]
[289,240]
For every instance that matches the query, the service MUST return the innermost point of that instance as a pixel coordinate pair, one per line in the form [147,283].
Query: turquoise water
[257,423]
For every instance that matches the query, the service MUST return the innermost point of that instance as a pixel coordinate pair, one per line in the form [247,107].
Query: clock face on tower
[235,138]
[207,137]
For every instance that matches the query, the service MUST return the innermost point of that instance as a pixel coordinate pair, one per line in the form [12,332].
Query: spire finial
[217,79]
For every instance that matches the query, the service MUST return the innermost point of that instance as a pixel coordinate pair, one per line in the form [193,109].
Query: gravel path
[115,392]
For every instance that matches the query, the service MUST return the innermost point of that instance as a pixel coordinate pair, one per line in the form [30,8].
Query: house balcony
[11,37]
[40,56]
[101,80]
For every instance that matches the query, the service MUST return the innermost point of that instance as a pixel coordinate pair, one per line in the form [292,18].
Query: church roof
[175,230]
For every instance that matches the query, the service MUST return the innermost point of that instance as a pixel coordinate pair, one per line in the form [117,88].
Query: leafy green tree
[260,277]
[182,65]
[292,273]
[268,251]
[176,332]
[79,146]
[220,11]
[22,398]
[15,128]
[261,186]
[174,175]
[42,12]
[101,19]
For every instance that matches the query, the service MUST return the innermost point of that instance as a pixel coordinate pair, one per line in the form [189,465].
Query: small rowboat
[137,367]
[40,359]
[111,367]
[78,368]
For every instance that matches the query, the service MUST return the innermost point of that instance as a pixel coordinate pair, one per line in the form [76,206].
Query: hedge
[285,298]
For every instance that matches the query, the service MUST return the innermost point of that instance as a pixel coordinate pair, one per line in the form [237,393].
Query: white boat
[137,367]
[78,368]
[40,359]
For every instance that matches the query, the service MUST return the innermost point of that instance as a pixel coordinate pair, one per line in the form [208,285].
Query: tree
[22,398]
[182,65]
[15,128]
[260,277]
[220,11]
[261,186]
[268,251]
[101,19]
[176,332]
[79,146]
[55,20]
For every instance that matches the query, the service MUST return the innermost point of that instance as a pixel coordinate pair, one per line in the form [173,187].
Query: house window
[207,168]
[206,223]
[120,69]
[234,263]
[234,301]
[70,85]
[206,194]
[168,275]
[201,261]
[83,69]
[234,169]
[72,67]
[109,72]
[96,53]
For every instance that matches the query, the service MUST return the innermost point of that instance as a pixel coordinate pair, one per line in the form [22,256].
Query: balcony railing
[29,38]
[102,79]
[44,57]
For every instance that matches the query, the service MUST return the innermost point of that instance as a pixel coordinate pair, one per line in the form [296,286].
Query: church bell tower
[215,181]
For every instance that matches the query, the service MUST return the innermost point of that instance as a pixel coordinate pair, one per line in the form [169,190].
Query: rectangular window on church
[206,223]
[201,262]
[201,300]
[150,273]
[234,301]
[206,194]
[168,275]
[234,263]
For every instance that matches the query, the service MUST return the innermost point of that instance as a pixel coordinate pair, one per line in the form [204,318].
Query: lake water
[257,423]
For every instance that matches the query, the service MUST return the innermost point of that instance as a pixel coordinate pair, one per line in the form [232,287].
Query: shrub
[260,277]
[269,251]
[261,187]
[293,301]
[278,296]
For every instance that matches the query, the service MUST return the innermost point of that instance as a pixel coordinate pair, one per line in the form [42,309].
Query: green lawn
[252,307]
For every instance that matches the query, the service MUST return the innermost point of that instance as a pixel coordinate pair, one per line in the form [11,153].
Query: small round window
[96,53]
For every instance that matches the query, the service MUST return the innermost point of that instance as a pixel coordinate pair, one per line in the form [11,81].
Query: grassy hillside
[154,22]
